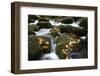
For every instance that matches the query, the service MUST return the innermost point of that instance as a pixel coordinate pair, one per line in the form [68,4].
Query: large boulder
[34,51]
[66,42]
[70,29]
[81,51]
[37,46]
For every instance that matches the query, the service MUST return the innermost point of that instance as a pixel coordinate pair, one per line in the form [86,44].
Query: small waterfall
[52,55]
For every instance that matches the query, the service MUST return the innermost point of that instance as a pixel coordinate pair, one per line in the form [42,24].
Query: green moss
[45,25]
[84,23]
[34,51]
[67,21]
[32,29]
[37,49]
[71,29]
[66,43]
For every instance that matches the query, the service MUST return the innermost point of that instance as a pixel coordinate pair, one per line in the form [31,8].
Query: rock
[70,29]
[66,42]
[84,23]
[45,25]
[76,18]
[31,21]
[32,29]
[32,18]
[55,31]
[44,42]
[43,20]
[37,47]
[34,51]
[84,48]
[67,21]
[81,51]
[31,32]
[35,17]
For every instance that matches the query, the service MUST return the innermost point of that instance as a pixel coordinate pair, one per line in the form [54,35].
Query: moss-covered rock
[45,25]
[31,32]
[66,42]
[32,29]
[45,44]
[43,19]
[55,31]
[37,46]
[76,18]
[34,51]
[71,29]
[32,18]
[67,20]
[84,23]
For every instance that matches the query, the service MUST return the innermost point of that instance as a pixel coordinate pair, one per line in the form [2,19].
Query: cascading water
[52,55]
[55,35]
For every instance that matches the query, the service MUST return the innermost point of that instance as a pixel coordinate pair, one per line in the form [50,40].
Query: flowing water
[46,33]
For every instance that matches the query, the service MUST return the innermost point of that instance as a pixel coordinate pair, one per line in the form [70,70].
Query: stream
[46,33]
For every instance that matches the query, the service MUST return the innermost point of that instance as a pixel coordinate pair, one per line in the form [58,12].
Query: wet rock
[66,42]
[38,46]
[32,18]
[31,32]
[31,21]
[43,20]
[84,48]
[70,29]
[55,31]
[76,18]
[84,23]
[81,51]
[45,25]
[67,21]
[32,29]
[44,42]
[34,51]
